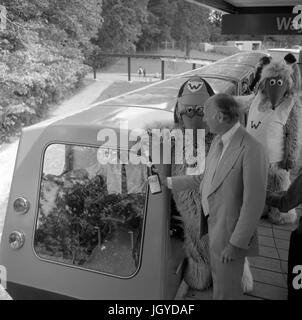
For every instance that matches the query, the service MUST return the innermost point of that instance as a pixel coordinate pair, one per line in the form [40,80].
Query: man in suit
[233,191]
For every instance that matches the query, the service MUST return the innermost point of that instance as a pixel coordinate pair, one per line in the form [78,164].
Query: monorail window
[245,88]
[91,214]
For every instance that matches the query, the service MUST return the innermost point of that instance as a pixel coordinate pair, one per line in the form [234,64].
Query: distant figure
[144,73]
[140,71]
[262,62]
[296,76]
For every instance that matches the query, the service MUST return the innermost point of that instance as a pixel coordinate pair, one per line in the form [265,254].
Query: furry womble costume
[274,119]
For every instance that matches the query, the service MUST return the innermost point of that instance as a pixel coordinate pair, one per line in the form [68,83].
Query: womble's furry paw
[281,218]
[198,275]
[247,278]
[288,218]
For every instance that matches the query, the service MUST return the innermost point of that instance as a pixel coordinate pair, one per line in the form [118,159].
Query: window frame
[37,215]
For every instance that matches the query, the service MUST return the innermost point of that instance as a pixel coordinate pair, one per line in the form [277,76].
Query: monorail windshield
[91,214]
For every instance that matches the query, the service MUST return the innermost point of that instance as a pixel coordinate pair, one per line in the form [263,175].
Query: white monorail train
[75,229]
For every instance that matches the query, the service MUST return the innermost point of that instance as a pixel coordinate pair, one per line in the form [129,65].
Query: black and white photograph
[150,150]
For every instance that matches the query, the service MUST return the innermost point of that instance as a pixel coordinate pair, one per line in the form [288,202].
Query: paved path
[85,97]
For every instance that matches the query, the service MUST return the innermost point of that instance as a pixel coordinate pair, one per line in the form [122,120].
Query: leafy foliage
[49,44]
[83,206]
[42,56]
[122,27]
[190,24]
[180,21]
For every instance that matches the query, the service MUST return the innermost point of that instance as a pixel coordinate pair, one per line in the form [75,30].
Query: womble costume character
[274,119]
[189,115]
[296,75]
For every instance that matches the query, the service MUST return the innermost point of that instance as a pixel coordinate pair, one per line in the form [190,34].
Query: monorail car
[79,229]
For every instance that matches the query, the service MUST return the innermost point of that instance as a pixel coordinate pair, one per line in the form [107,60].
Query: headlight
[16,240]
[21,206]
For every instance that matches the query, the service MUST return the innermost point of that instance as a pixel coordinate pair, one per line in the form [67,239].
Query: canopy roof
[250,6]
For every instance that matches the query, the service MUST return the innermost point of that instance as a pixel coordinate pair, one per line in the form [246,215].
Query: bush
[29,86]
[42,54]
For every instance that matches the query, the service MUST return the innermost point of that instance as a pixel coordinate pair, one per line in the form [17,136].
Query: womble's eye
[272,82]
[280,82]
[190,111]
[200,110]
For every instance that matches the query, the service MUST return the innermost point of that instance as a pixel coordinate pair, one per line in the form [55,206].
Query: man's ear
[219,116]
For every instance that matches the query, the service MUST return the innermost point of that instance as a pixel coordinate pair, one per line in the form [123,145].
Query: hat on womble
[195,91]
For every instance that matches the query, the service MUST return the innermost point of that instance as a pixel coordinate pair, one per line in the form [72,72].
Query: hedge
[28,88]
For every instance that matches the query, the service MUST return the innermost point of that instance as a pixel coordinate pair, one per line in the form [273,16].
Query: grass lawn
[152,66]
[118,88]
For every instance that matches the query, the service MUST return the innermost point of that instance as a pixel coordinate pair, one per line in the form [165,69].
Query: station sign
[262,24]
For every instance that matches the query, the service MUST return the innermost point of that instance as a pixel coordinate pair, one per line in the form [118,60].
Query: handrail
[148,56]
[219,77]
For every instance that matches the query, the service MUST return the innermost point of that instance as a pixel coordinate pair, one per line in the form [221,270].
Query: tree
[122,27]
[215,25]
[190,24]
[161,15]
[42,54]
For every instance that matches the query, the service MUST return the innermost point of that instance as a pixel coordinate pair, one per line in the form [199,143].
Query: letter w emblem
[194,86]
[255,126]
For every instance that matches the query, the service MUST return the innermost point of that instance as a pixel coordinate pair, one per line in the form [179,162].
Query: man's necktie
[210,171]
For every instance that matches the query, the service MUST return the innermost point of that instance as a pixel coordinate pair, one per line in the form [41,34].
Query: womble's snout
[275,90]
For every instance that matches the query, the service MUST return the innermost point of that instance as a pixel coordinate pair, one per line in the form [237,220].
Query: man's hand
[232,253]
[162,178]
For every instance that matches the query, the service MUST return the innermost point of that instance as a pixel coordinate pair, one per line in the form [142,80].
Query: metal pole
[129,69]
[99,237]
[163,70]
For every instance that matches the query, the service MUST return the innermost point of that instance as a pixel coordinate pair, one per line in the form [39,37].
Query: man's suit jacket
[238,193]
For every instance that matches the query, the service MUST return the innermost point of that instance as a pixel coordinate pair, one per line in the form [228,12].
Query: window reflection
[90,215]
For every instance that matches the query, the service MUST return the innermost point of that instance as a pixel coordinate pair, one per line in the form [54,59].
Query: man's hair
[228,106]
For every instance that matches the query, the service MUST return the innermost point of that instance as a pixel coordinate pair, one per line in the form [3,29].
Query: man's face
[211,116]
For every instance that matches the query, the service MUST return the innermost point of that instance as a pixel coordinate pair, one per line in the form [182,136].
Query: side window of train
[245,87]
[91,214]
[252,77]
